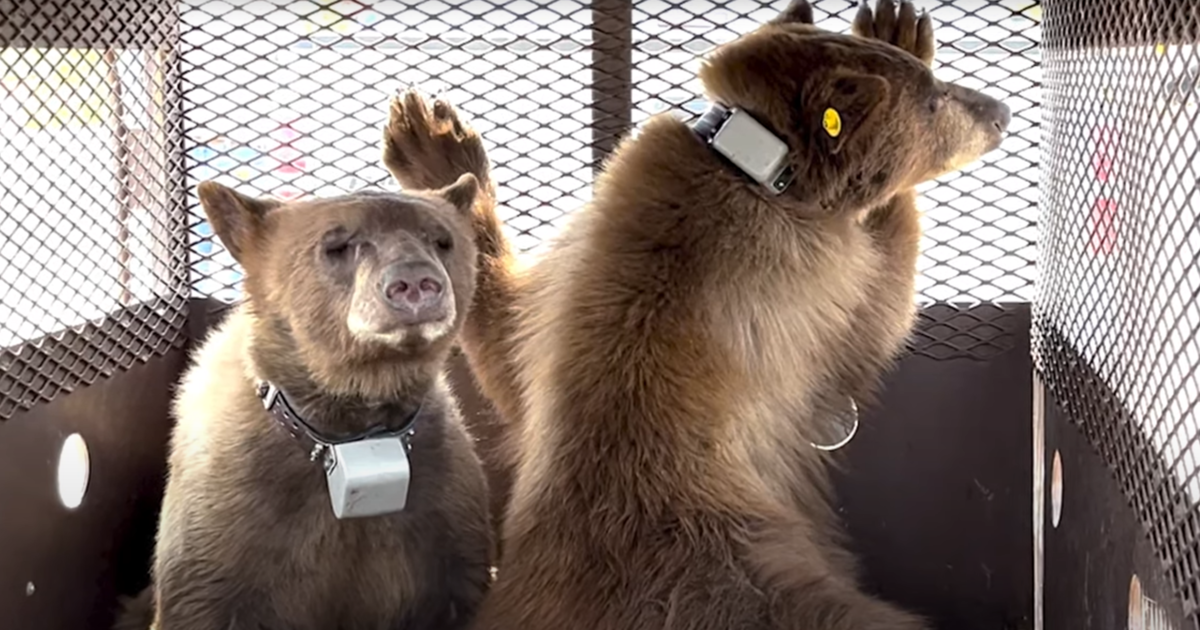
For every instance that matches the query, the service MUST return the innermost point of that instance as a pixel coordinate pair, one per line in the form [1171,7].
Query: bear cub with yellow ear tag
[664,368]
[320,474]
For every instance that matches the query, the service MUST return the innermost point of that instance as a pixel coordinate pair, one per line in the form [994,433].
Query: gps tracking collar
[367,474]
[747,144]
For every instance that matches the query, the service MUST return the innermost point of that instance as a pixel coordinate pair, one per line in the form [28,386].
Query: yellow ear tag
[832,122]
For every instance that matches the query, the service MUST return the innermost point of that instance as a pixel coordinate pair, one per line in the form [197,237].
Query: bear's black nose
[415,289]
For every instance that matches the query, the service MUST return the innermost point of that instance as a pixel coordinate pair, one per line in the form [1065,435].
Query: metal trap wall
[1117,315]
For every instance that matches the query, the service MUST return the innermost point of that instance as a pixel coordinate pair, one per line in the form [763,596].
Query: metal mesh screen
[1117,315]
[114,111]
[93,266]
[287,98]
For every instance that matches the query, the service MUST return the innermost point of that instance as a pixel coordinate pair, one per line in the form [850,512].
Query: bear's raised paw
[430,147]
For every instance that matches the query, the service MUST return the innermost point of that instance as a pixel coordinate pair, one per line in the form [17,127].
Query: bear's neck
[345,416]
[682,166]
[667,175]
[386,394]
[668,163]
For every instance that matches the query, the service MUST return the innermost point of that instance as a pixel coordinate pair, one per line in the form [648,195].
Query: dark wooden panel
[936,490]
[1099,543]
[77,560]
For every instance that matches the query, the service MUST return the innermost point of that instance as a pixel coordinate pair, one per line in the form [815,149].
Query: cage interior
[1068,255]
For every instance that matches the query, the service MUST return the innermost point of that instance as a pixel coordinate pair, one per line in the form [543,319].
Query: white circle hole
[1056,490]
[74,468]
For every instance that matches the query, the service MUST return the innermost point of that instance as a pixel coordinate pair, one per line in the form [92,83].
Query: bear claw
[903,28]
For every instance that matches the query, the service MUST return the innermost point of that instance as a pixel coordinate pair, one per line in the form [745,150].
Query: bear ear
[850,107]
[461,194]
[236,218]
[797,12]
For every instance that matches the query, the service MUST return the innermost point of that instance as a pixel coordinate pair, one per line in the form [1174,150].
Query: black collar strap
[709,123]
[281,409]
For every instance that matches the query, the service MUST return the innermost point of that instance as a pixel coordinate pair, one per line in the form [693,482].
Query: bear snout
[1002,115]
[415,290]
[987,111]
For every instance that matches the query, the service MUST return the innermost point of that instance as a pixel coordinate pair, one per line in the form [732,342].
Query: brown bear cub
[666,365]
[353,304]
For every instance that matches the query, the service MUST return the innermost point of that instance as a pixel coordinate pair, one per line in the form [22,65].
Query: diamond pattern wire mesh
[1117,314]
[94,271]
[287,98]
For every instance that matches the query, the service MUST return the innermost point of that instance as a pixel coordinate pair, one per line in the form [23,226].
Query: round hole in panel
[74,468]
[1056,489]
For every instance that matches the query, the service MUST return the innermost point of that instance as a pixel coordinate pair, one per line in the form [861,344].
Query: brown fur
[425,150]
[664,365]
[247,537]
[136,613]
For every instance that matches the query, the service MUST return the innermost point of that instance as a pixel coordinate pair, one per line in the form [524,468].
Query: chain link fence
[1117,315]
[93,266]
